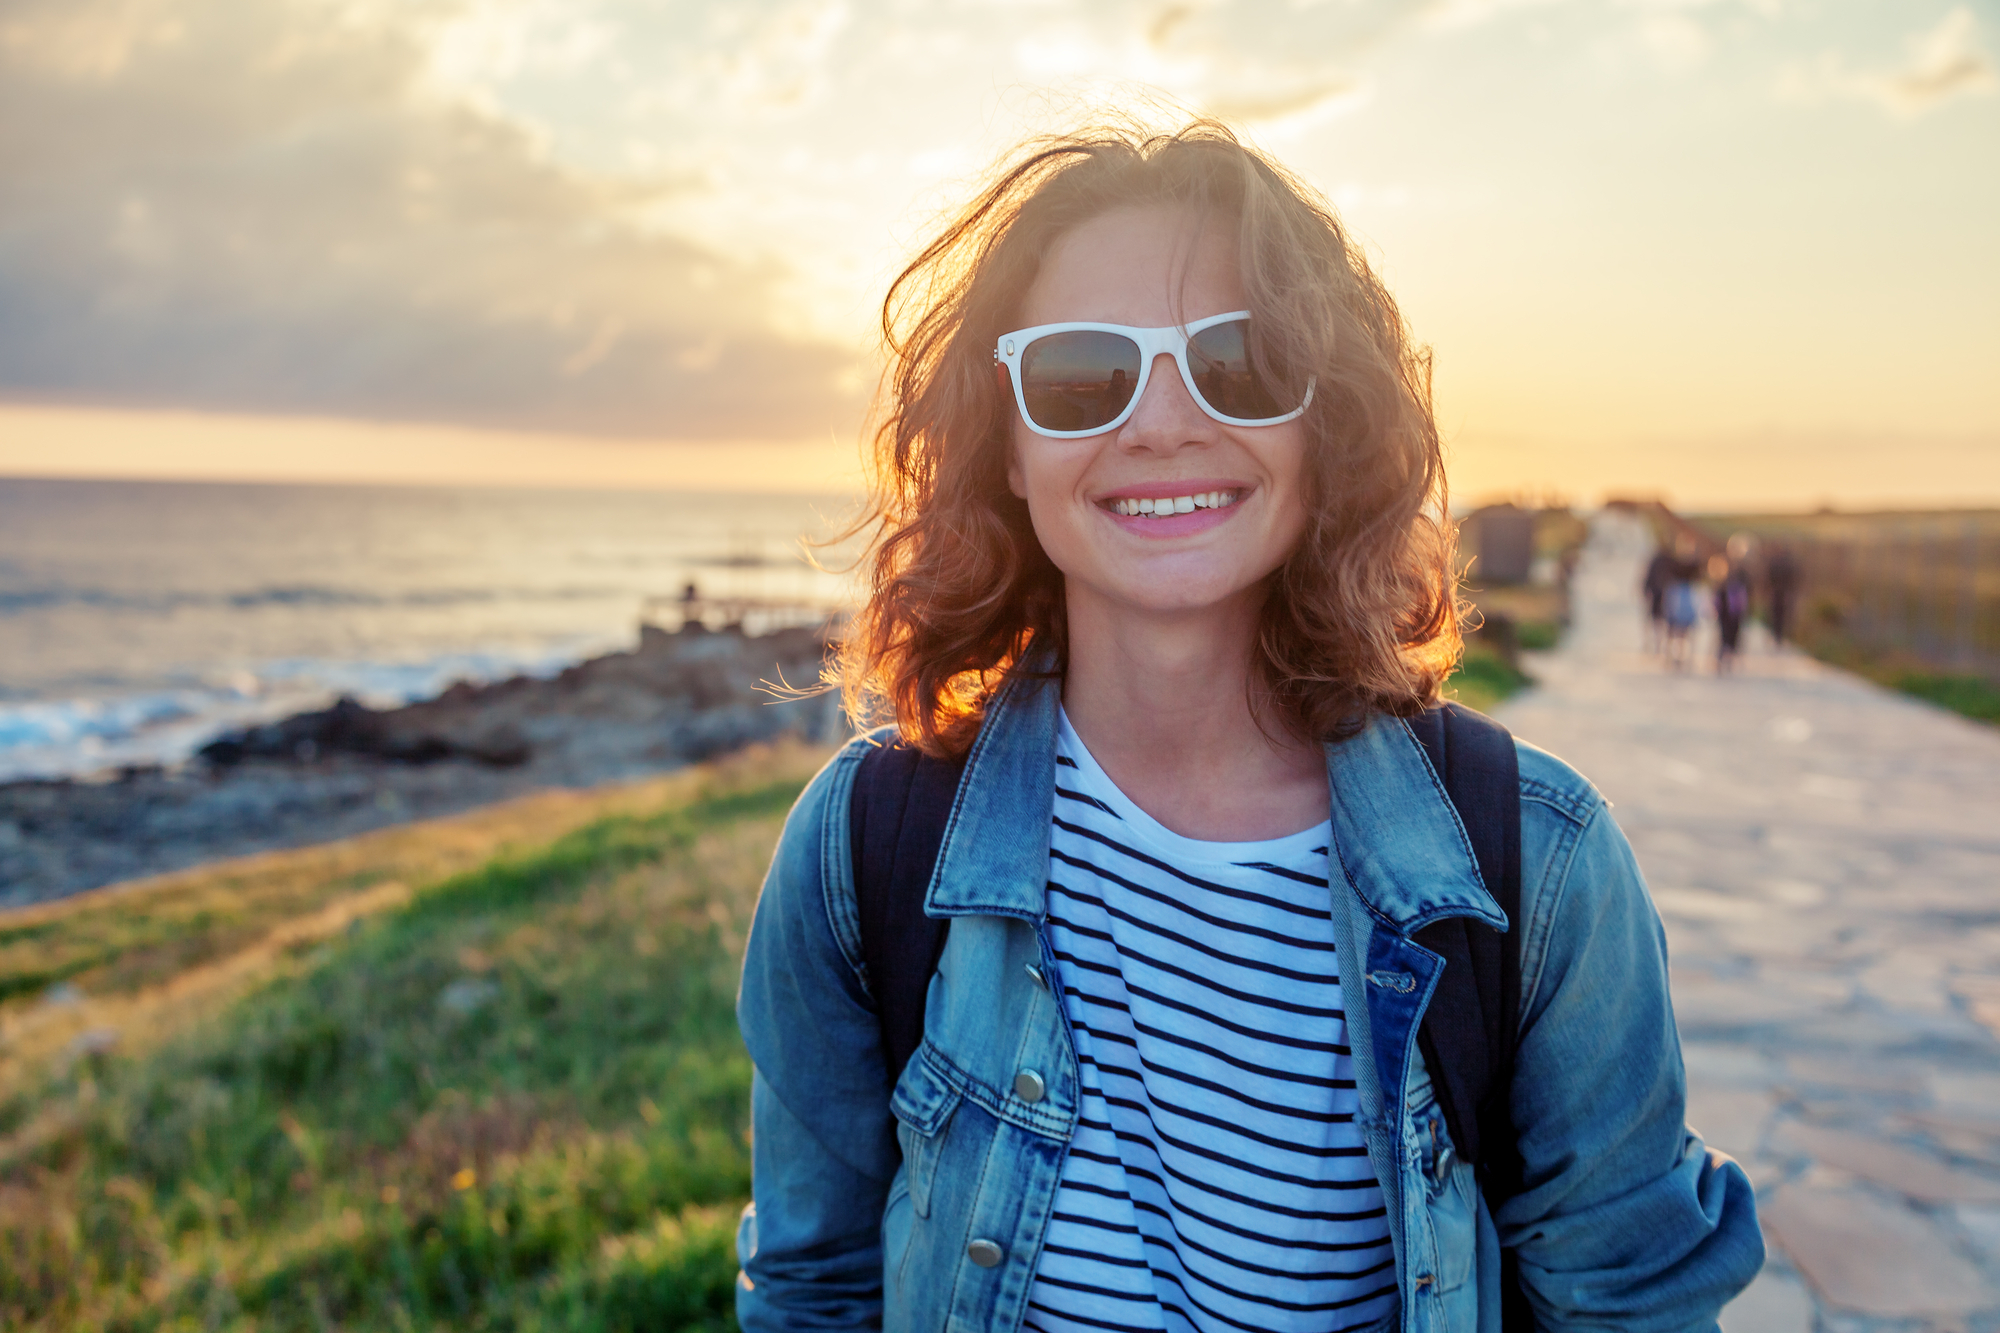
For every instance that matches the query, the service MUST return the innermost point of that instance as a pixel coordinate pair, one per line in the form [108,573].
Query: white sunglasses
[1077,379]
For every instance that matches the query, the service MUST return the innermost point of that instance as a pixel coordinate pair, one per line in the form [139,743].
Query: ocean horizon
[139,618]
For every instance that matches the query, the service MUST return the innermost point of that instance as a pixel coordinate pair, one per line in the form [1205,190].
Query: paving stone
[1728,1064]
[1892,1166]
[1703,1001]
[1851,1075]
[1965,1135]
[1976,1091]
[1981,1223]
[1871,1257]
[1982,998]
[1773,1303]
[1731,1119]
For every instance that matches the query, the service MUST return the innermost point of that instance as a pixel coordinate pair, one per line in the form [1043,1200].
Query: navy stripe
[1145,1070]
[1206,918]
[1175,937]
[1066,794]
[1225,890]
[1281,872]
[1207,983]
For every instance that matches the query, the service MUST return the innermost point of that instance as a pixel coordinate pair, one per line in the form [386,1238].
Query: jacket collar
[1399,841]
[1397,838]
[995,857]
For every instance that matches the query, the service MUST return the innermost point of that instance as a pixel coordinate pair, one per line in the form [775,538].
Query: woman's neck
[1164,703]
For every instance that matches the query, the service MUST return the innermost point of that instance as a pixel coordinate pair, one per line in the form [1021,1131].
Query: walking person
[1781,586]
[1730,584]
[1148,970]
[1659,578]
[1682,607]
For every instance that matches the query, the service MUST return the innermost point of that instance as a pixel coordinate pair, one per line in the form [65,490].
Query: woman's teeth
[1180,504]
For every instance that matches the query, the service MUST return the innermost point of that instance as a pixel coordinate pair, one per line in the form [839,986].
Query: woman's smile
[1173,508]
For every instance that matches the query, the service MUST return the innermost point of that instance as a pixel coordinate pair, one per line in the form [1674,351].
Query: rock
[467,995]
[1870,1257]
[338,771]
[92,1041]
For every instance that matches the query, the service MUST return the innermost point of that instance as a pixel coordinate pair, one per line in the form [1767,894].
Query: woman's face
[1146,267]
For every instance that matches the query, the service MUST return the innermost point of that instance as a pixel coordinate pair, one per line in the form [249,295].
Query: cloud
[269,208]
[1944,62]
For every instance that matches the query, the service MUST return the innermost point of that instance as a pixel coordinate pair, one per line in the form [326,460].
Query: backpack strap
[896,818]
[1469,1030]
[1467,1035]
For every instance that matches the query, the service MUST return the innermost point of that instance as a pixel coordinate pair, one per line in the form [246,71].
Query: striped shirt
[1217,1180]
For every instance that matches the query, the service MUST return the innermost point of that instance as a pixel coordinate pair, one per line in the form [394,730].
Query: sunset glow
[1736,251]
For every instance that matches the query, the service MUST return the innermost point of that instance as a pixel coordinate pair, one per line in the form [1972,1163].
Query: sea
[138,619]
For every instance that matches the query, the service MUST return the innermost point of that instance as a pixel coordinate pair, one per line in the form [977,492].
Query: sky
[1736,252]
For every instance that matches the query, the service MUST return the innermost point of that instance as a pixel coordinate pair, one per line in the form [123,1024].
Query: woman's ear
[1016,482]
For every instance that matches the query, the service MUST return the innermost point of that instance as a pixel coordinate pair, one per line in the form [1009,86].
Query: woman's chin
[1171,595]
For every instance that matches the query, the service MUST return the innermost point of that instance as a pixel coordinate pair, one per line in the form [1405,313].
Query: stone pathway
[1826,856]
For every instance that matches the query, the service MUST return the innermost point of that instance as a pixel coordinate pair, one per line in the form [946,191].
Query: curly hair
[1363,615]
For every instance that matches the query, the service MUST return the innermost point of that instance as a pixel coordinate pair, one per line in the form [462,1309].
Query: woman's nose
[1167,416]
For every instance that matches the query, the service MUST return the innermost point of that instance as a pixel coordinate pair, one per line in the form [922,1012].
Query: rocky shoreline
[674,699]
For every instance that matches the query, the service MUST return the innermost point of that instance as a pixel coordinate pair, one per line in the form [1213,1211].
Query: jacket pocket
[922,1104]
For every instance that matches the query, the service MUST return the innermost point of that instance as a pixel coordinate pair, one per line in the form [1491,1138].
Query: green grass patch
[1538,636]
[516,1102]
[1484,678]
[1974,696]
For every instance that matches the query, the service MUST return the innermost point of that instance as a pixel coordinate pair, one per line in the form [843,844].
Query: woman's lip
[1173,490]
[1173,525]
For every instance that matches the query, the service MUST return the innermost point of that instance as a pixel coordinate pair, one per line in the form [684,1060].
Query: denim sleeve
[823,1150]
[1626,1219]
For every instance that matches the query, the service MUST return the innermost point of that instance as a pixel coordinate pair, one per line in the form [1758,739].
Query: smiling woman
[1284,323]
[1175,961]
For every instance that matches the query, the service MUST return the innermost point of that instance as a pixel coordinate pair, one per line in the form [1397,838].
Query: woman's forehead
[1149,265]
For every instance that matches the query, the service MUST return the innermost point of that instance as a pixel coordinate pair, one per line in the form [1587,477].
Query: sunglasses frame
[1171,340]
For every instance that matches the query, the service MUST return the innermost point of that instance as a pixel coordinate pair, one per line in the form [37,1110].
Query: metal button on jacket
[1028,1086]
[983,1252]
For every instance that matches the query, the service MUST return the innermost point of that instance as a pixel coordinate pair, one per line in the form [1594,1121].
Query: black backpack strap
[895,824]
[1469,1030]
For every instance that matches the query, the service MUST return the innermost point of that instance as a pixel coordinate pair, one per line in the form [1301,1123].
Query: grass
[511,1097]
[1484,679]
[1974,696]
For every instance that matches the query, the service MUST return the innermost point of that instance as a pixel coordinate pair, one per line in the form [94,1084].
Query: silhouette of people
[1781,586]
[1732,603]
[1681,608]
[1659,577]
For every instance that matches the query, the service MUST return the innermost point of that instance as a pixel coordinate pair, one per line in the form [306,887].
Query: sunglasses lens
[1079,380]
[1219,357]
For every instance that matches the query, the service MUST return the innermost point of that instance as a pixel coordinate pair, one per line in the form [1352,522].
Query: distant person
[1730,583]
[1682,608]
[1097,991]
[1781,587]
[1659,578]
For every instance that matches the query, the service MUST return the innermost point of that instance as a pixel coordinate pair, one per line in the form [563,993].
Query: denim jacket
[867,1203]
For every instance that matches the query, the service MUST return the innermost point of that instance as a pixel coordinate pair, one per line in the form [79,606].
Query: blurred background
[414,416]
